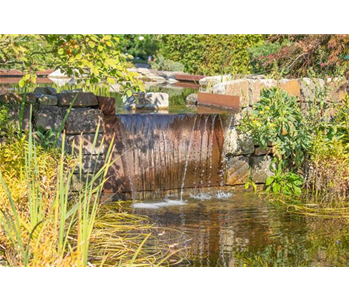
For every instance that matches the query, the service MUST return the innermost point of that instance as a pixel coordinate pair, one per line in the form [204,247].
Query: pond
[238,228]
[218,227]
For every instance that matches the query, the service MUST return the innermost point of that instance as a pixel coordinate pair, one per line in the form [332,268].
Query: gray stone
[260,169]
[49,100]
[256,86]
[213,80]
[238,143]
[90,164]
[49,117]
[239,88]
[14,98]
[86,142]
[191,100]
[46,90]
[84,120]
[310,88]
[148,101]
[219,88]
[238,170]
[82,99]
[14,113]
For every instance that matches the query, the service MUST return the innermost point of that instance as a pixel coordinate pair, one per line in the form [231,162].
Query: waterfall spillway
[161,152]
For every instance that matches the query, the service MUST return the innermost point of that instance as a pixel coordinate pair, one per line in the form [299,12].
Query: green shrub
[211,54]
[161,63]
[277,120]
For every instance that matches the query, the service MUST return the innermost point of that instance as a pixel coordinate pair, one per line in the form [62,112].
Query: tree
[90,58]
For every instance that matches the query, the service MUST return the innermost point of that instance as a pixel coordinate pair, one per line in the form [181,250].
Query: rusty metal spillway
[161,152]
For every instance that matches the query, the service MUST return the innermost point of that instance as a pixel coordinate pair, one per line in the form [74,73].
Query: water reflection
[244,230]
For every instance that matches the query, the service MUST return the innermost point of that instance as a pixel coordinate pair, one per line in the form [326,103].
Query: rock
[90,164]
[14,112]
[87,143]
[82,99]
[291,86]
[255,87]
[310,87]
[219,88]
[58,74]
[337,90]
[148,101]
[46,90]
[78,183]
[49,117]
[191,100]
[258,151]
[213,80]
[260,168]
[84,120]
[106,105]
[48,100]
[14,98]
[238,170]
[238,143]
[238,88]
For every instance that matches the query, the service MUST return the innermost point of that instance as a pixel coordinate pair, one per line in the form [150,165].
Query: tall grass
[57,217]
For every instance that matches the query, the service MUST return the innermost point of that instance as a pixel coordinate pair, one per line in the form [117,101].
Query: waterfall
[163,152]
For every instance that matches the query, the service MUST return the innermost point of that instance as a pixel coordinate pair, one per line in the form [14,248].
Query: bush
[277,120]
[161,63]
[211,54]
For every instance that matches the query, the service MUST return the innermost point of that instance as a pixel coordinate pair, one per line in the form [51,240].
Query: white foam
[208,196]
[155,205]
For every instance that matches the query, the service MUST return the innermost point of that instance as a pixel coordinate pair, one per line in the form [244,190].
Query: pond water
[237,228]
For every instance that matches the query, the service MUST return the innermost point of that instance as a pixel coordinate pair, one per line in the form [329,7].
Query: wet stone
[106,105]
[238,170]
[191,100]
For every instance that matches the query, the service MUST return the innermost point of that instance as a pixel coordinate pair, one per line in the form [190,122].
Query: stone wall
[87,114]
[244,159]
[249,88]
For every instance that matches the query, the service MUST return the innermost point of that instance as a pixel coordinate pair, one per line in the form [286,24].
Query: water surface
[241,229]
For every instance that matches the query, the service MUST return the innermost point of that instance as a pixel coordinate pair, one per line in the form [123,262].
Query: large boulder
[84,120]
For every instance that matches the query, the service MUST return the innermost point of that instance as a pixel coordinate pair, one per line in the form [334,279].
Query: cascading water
[166,152]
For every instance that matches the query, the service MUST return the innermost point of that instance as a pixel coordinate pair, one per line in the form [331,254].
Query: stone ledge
[82,99]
